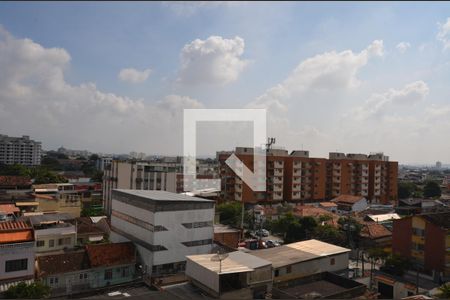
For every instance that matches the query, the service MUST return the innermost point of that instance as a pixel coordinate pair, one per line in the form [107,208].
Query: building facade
[19,150]
[16,252]
[296,177]
[164,226]
[424,239]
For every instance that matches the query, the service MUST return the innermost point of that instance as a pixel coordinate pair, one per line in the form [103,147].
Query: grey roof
[161,195]
[54,217]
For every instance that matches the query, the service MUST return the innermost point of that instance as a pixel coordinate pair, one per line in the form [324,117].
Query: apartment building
[19,150]
[164,226]
[425,240]
[233,188]
[299,178]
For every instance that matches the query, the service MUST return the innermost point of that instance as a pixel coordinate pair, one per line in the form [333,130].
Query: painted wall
[13,252]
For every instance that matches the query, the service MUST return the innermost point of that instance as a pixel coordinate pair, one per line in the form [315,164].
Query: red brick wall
[434,247]
[230,239]
[401,237]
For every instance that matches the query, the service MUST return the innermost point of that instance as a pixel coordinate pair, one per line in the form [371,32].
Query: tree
[352,228]
[97,176]
[431,189]
[230,213]
[308,225]
[51,162]
[93,157]
[330,234]
[444,291]
[406,189]
[294,233]
[395,264]
[35,290]
[281,225]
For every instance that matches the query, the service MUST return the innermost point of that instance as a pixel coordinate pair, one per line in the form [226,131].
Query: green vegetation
[444,291]
[395,264]
[230,213]
[41,174]
[431,189]
[35,290]
[93,211]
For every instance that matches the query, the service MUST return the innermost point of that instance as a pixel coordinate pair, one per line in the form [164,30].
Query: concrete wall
[202,275]
[13,252]
[319,265]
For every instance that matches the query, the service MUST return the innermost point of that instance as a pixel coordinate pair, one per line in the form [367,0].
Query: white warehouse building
[164,226]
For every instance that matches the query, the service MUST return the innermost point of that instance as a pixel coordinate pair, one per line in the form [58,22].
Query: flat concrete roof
[236,262]
[298,252]
[161,195]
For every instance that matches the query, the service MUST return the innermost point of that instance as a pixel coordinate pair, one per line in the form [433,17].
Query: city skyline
[365,78]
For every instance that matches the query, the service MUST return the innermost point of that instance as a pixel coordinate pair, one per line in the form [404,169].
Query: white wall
[205,276]
[13,252]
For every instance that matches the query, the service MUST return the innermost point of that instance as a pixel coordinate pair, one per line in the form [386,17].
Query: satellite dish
[219,257]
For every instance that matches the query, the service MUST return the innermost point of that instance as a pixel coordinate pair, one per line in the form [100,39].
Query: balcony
[278,172]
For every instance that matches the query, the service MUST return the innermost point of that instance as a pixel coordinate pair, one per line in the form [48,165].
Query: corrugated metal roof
[162,195]
[236,262]
[298,252]
[45,218]
[384,217]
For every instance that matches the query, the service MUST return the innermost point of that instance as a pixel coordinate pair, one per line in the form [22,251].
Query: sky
[333,76]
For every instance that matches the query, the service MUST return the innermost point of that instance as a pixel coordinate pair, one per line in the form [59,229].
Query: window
[51,243]
[16,265]
[125,272]
[83,276]
[288,269]
[418,231]
[277,273]
[53,280]
[60,242]
[40,243]
[332,261]
[108,274]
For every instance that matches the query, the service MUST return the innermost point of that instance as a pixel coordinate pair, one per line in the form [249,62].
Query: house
[96,266]
[234,275]
[8,212]
[424,239]
[348,203]
[165,227]
[16,253]
[304,258]
[89,231]
[58,197]
[329,206]
[374,235]
[53,231]
[14,182]
[226,235]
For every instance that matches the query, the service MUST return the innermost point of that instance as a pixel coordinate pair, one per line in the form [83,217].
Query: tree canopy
[431,189]
[35,290]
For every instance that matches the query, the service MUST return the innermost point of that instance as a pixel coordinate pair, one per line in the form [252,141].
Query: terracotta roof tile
[349,199]
[15,232]
[62,263]
[111,254]
[9,208]
[374,231]
[14,181]
[327,204]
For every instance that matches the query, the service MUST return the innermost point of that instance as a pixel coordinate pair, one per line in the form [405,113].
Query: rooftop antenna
[219,257]
[270,142]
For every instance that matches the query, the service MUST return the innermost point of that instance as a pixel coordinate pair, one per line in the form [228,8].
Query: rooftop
[62,263]
[111,254]
[220,228]
[327,204]
[49,218]
[348,199]
[441,219]
[9,208]
[236,262]
[161,195]
[15,181]
[298,252]
[383,217]
[374,231]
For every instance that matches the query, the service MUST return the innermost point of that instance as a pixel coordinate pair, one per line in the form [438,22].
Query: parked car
[262,232]
[272,244]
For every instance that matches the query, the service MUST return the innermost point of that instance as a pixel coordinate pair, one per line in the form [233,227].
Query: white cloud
[402,47]
[212,61]
[189,8]
[444,34]
[379,104]
[134,76]
[327,72]
[36,99]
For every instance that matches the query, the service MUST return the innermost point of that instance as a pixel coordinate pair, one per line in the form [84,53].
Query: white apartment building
[164,226]
[138,176]
[19,150]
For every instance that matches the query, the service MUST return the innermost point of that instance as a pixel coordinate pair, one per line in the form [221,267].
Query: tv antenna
[219,257]
[270,142]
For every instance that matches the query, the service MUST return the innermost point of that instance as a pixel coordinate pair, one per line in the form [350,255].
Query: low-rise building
[348,203]
[330,206]
[53,232]
[164,226]
[96,266]
[305,258]
[16,253]
[231,276]
[14,182]
[374,235]
[227,236]
[89,231]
